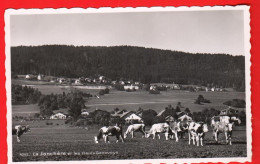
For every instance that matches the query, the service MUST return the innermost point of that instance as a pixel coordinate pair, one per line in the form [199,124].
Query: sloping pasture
[61,142]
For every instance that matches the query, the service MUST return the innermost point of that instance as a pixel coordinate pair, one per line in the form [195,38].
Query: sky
[189,31]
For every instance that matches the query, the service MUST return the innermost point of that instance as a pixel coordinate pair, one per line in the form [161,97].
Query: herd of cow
[175,129]
[196,130]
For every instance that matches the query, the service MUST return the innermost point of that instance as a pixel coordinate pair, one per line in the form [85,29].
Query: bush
[49,123]
[101,92]
[119,87]
[201,99]
[154,92]
[237,103]
[106,91]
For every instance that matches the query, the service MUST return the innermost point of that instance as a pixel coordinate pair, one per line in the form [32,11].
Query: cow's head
[205,128]
[230,126]
[125,135]
[147,135]
[27,128]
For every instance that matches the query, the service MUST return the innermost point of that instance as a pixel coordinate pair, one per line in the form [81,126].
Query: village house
[30,77]
[133,117]
[40,77]
[182,116]
[131,87]
[58,116]
[62,80]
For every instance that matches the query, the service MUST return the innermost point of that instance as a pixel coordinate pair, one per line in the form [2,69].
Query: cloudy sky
[189,31]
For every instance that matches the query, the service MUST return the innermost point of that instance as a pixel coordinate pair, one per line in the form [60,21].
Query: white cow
[135,128]
[157,129]
[197,131]
[174,129]
[226,128]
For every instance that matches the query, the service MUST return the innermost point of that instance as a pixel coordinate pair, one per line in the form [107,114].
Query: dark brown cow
[19,130]
[109,131]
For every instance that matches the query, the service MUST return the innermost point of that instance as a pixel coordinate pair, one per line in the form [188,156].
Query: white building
[58,116]
[185,117]
[40,77]
[133,117]
[131,87]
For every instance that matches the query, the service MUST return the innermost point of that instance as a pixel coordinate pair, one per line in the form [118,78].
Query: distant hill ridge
[131,63]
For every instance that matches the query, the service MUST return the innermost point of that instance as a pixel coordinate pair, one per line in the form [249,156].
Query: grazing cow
[19,130]
[157,129]
[174,129]
[109,131]
[135,128]
[226,128]
[197,131]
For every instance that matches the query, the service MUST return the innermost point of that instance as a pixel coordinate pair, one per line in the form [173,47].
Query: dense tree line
[74,101]
[24,95]
[132,63]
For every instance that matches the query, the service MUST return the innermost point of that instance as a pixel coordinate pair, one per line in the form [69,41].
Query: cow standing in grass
[174,130]
[226,128]
[159,128]
[135,128]
[109,131]
[183,126]
[20,130]
[197,132]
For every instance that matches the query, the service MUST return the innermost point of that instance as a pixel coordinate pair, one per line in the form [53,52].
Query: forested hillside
[131,63]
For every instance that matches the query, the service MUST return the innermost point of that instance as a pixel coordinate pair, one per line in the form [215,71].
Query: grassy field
[134,100]
[78,144]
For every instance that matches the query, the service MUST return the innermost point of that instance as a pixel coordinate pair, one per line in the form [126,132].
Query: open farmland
[134,100]
[53,140]
[78,144]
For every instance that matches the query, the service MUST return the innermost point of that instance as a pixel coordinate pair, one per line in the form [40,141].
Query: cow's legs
[18,139]
[216,136]
[189,137]
[117,138]
[132,134]
[159,137]
[226,137]
[104,138]
[143,132]
[176,137]
[122,138]
[153,135]
[193,139]
[201,140]
[166,135]
[107,139]
[197,140]
[230,143]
